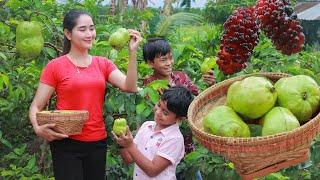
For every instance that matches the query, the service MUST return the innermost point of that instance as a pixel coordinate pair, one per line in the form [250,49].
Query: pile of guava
[278,107]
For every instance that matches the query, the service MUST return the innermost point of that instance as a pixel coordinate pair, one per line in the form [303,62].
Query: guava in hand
[120,126]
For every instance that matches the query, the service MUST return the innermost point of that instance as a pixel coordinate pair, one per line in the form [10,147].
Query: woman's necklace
[78,70]
[74,62]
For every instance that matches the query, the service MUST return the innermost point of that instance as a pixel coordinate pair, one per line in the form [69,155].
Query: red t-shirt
[79,88]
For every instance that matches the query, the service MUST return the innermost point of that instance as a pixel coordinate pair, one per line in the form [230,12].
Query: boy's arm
[131,153]
[126,156]
[151,168]
[188,83]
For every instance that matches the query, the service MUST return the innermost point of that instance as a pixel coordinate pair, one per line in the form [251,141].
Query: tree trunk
[113,5]
[123,4]
[167,7]
[135,4]
[142,4]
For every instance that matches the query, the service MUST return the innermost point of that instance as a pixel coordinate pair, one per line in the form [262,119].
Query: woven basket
[68,122]
[255,156]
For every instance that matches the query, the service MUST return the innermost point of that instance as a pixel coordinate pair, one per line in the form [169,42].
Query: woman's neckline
[70,60]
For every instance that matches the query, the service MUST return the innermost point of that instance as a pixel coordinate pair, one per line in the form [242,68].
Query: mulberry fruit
[278,22]
[241,33]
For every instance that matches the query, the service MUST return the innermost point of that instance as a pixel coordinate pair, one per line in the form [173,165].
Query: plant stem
[58,51]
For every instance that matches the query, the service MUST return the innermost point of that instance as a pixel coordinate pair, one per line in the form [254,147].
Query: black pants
[78,160]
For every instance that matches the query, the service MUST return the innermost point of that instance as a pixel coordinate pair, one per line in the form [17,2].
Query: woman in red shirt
[79,80]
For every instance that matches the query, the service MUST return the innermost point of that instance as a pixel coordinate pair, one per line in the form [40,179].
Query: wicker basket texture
[255,156]
[68,122]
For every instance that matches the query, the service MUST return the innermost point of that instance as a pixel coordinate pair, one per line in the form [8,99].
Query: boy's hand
[125,140]
[135,40]
[209,78]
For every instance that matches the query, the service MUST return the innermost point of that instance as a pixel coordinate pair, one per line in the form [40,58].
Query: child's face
[163,116]
[162,65]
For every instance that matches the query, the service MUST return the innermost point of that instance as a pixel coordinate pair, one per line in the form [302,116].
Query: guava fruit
[120,126]
[29,39]
[251,97]
[223,121]
[300,94]
[278,120]
[119,38]
[208,64]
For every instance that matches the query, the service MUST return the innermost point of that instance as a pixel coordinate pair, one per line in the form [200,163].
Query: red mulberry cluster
[241,32]
[280,25]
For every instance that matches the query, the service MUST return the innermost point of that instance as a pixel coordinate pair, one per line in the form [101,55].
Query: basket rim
[245,139]
[61,112]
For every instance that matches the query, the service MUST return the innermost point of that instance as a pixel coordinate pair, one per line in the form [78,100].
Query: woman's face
[83,34]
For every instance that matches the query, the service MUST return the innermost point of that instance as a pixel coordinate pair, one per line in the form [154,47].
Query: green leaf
[20,150]
[140,108]
[32,163]
[5,79]
[154,96]
[192,156]
[51,52]
[7,173]
[147,112]
[179,19]
[230,165]
[159,84]
[276,176]
[2,56]
[111,161]
[217,160]
[6,143]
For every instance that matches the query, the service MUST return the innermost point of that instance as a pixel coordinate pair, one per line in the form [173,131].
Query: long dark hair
[69,22]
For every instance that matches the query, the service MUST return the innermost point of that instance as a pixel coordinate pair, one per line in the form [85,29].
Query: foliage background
[193,37]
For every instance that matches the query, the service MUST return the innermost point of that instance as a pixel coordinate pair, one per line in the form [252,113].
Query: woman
[79,81]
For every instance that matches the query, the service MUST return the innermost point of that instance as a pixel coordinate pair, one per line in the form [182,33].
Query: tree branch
[53,24]
[58,51]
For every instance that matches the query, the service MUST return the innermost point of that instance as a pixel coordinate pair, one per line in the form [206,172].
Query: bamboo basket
[68,122]
[256,156]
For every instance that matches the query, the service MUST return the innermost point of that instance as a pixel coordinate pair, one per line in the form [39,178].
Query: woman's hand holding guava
[135,40]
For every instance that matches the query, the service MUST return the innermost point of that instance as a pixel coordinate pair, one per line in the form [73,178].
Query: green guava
[300,94]
[252,97]
[120,126]
[223,121]
[119,38]
[29,39]
[278,120]
[208,64]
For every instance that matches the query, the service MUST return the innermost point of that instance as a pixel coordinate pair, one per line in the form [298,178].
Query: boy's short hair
[155,47]
[178,100]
